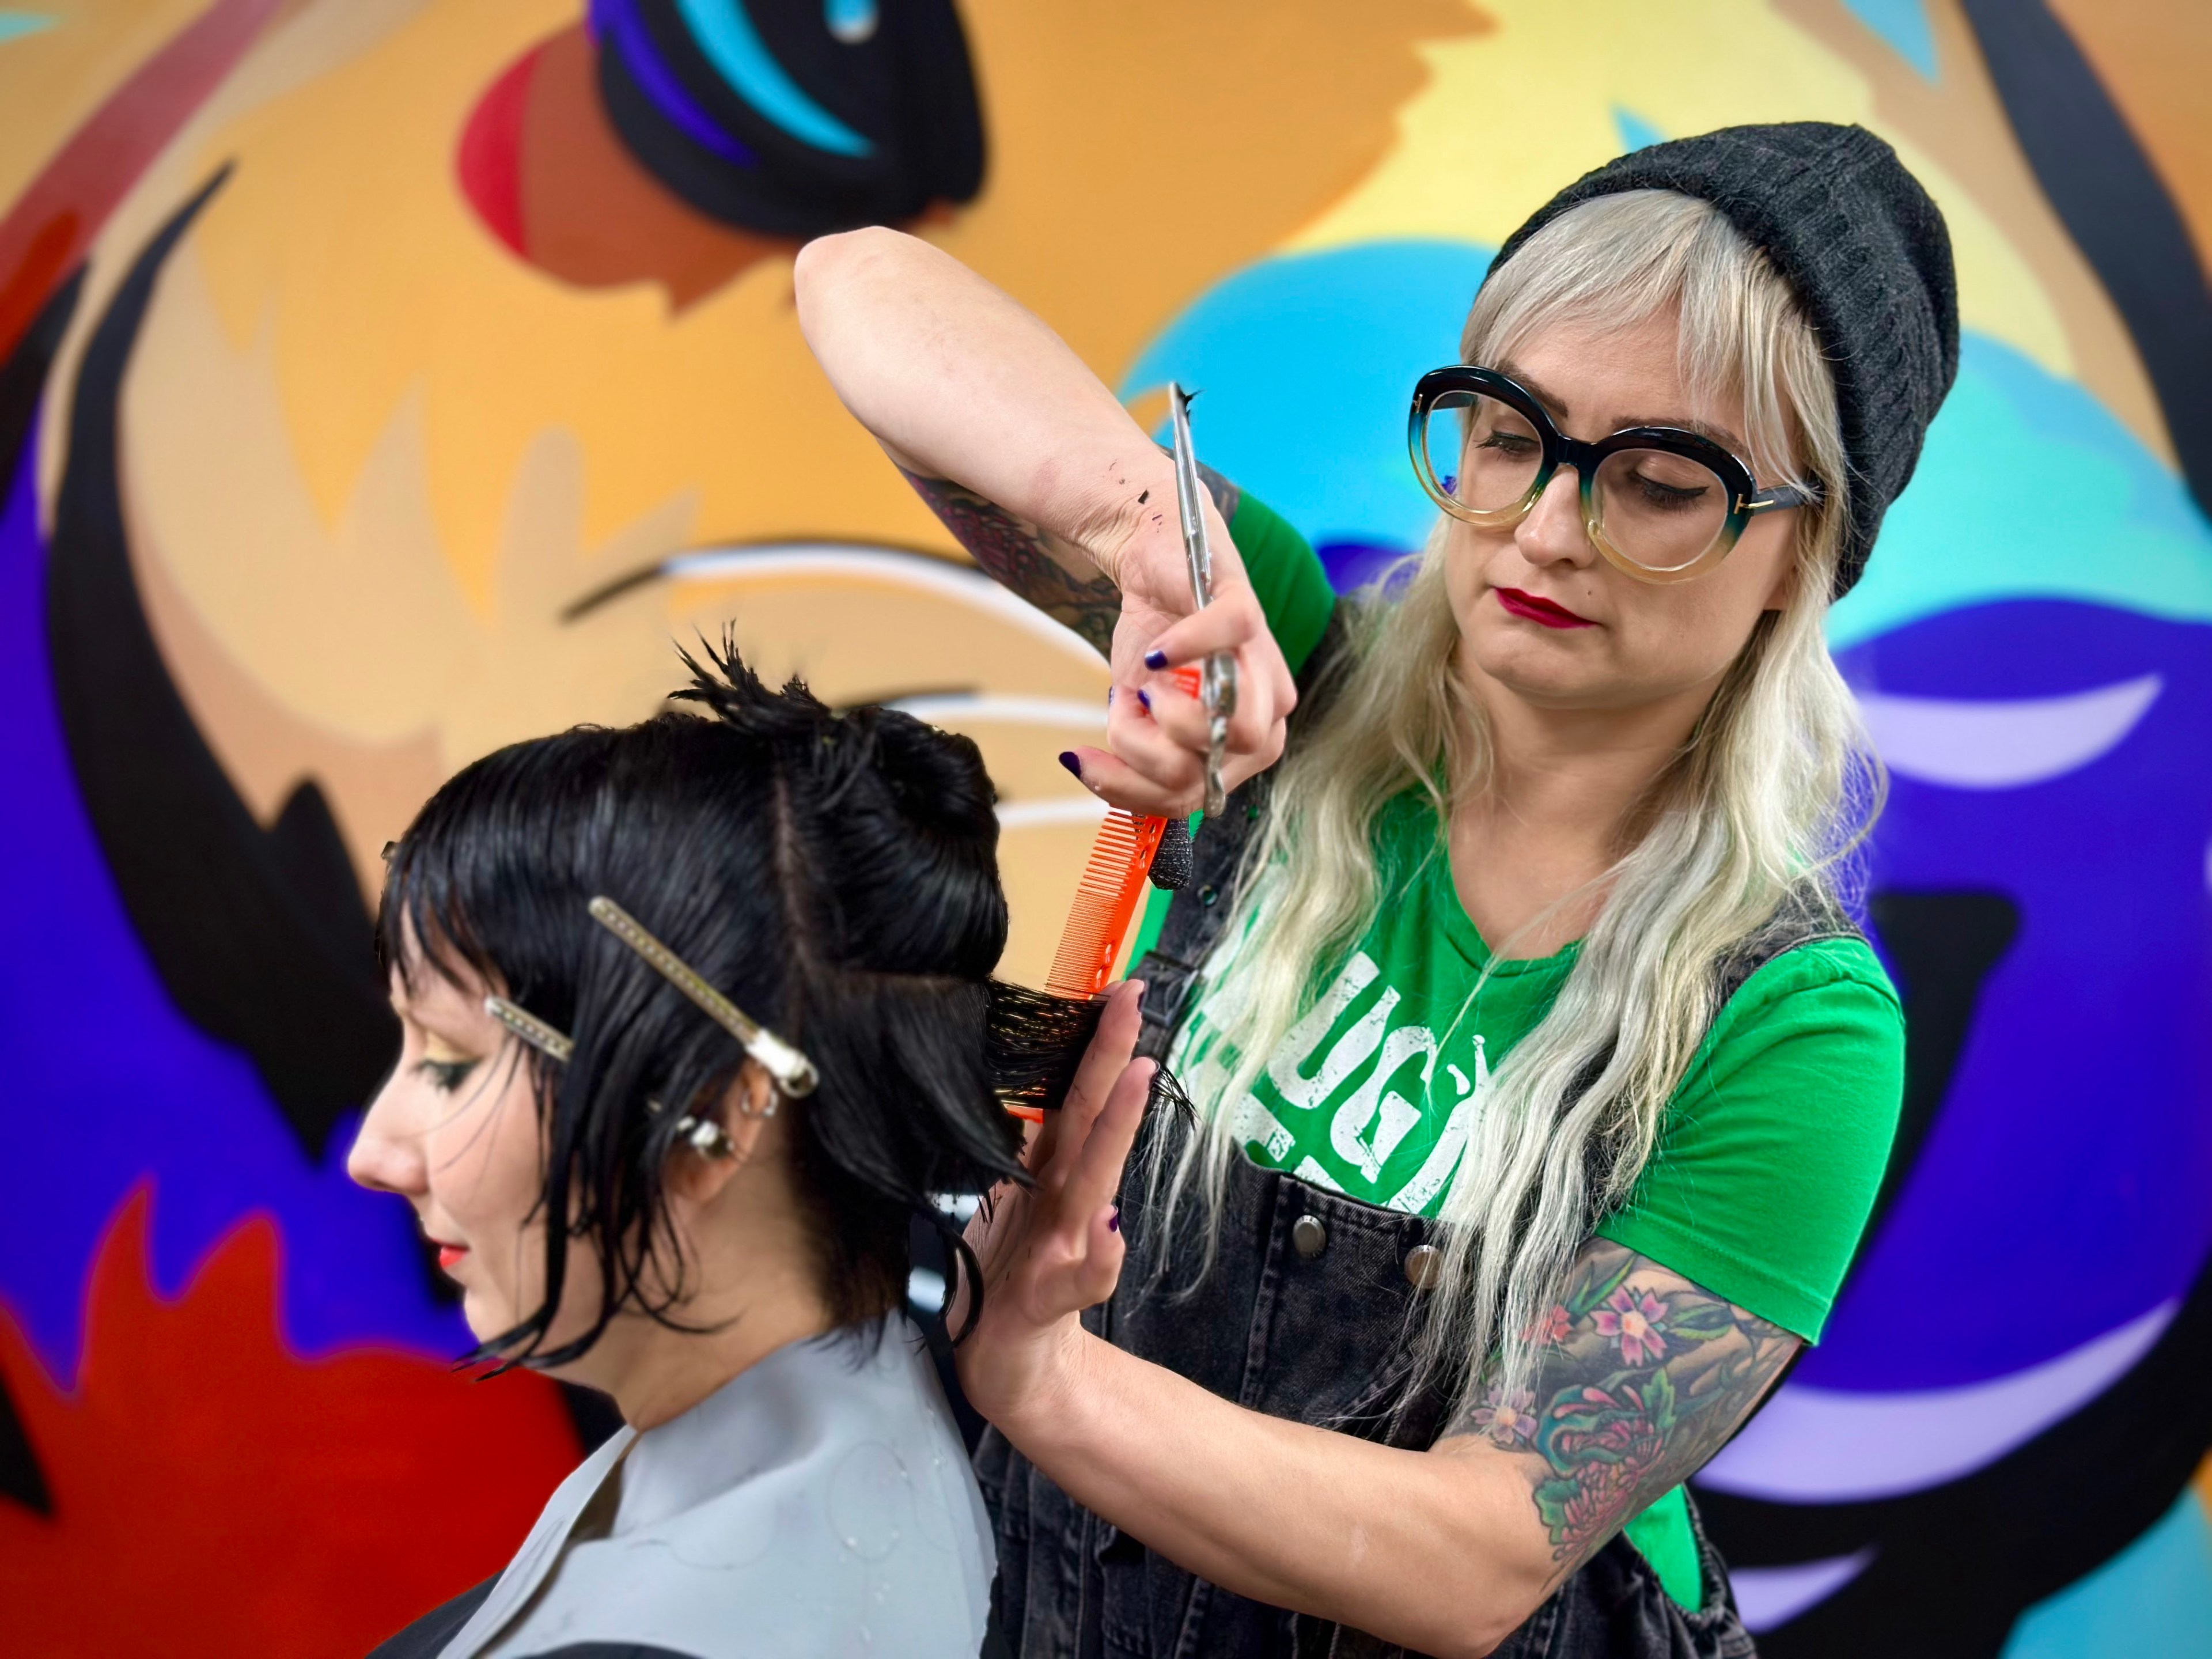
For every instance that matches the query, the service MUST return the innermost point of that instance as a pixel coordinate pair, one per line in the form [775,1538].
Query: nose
[1552,532]
[385,1157]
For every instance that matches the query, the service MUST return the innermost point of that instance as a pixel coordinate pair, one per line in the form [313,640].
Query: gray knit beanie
[1867,251]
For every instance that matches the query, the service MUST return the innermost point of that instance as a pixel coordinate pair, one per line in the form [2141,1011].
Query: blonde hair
[1774,787]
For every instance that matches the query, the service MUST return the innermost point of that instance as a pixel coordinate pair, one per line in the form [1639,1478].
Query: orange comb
[1107,901]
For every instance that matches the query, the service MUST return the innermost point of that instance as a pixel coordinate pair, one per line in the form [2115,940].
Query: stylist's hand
[1155,759]
[1048,1253]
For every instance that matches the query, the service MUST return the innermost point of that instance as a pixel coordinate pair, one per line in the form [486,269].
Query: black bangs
[833,875]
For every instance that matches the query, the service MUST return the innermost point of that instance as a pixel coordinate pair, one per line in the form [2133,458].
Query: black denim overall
[1307,1322]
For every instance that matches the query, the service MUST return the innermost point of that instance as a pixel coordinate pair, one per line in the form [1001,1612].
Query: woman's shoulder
[1834,984]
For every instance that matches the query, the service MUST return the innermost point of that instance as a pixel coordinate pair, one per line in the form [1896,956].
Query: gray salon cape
[818,1505]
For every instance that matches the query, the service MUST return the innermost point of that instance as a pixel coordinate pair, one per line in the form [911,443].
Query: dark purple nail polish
[1114,1222]
[1067,759]
[1145,698]
[1109,696]
[1156,660]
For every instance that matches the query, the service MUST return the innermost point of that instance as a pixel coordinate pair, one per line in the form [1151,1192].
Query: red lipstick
[449,1253]
[1535,609]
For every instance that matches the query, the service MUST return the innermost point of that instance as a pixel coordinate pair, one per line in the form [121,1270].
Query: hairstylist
[1545,1084]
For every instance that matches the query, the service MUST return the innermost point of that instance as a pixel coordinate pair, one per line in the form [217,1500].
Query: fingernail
[1109,696]
[1141,988]
[1145,698]
[1156,660]
[1114,1222]
[1067,759]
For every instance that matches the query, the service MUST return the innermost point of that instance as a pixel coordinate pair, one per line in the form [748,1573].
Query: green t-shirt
[1772,1150]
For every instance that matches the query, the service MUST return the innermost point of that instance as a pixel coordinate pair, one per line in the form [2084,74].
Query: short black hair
[835,875]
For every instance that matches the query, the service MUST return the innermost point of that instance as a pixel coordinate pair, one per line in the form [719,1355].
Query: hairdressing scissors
[1218,682]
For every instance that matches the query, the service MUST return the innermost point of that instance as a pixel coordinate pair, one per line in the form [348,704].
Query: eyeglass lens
[1660,509]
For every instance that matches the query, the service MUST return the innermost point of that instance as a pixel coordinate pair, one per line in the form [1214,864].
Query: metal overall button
[1424,1266]
[1308,1236]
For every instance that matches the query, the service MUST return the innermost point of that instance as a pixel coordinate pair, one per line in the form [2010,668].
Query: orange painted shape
[213,1495]
[80,187]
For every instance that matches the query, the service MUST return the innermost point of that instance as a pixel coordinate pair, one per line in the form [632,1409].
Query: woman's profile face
[454,1131]
[1632,644]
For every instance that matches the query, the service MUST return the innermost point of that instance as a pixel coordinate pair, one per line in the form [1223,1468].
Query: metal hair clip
[703,1136]
[794,1072]
[531,1029]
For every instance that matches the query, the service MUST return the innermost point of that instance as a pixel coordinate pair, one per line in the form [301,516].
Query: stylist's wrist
[1037,1394]
[1130,508]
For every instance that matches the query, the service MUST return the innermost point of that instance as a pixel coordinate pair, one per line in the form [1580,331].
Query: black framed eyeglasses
[1662,504]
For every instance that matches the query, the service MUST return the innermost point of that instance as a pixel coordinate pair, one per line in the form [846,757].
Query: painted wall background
[387,381]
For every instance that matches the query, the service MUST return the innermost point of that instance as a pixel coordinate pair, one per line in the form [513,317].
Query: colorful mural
[386,379]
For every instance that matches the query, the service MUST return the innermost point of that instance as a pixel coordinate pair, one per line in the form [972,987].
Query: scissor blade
[1190,498]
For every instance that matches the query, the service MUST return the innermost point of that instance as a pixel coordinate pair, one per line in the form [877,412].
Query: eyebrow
[1557,408]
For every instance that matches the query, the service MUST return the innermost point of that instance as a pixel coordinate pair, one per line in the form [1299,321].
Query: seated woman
[716,994]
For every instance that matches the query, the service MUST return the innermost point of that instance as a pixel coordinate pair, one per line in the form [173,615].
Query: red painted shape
[90,173]
[214,1496]
[488,160]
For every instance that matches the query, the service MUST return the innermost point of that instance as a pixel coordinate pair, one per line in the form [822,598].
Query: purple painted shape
[2077,1131]
[1353,564]
[110,1087]
[617,22]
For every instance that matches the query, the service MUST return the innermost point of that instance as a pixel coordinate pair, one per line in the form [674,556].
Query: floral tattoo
[1641,1377]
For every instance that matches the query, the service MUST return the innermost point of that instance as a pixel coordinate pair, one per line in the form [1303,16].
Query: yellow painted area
[1510,115]
[343,236]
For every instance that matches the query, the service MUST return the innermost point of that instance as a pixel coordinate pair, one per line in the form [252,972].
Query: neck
[750,1274]
[1563,784]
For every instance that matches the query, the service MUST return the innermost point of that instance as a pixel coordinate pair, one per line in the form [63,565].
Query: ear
[744,1111]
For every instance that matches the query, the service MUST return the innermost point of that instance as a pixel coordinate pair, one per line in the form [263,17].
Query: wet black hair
[835,875]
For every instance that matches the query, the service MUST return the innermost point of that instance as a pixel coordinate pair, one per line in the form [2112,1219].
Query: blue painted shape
[1903,25]
[2154,1597]
[2030,487]
[725,34]
[2074,1130]
[109,1087]
[1307,364]
[14,25]
[1636,132]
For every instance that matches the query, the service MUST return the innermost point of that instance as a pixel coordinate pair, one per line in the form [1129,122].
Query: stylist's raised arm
[1056,493]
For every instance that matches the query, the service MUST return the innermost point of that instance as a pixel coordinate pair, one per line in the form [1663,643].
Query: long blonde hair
[1774,787]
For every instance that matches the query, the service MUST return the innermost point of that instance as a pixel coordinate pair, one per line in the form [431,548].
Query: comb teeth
[1106,901]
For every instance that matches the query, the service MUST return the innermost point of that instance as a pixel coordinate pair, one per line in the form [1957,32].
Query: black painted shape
[1957,1565]
[23,376]
[1944,946]
[2114,206]
[259,937]
[21,1480]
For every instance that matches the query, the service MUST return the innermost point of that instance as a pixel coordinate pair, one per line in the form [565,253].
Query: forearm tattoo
[1013,553]
[1641,1377]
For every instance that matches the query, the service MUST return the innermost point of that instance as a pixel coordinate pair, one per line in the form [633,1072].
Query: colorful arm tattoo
[1641,1377]
[1013,553]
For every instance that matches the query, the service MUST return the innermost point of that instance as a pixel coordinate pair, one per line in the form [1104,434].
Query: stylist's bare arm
[1053,488]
